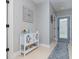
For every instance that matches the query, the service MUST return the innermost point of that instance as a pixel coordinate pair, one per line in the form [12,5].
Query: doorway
[64,29]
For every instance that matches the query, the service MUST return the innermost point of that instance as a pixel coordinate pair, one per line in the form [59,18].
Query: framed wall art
[27,15]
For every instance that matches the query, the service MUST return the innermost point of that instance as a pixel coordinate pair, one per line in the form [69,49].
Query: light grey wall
[42,22]
[66,13]
[18,24]
[52,25]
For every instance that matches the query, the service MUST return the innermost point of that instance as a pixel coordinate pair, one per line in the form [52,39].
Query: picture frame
[27,15]
[51,18]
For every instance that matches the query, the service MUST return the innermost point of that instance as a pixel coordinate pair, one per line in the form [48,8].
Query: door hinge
[7,25]
[7,49]
[7,1]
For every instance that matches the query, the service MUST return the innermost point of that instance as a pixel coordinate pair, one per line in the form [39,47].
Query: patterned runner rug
[60,51]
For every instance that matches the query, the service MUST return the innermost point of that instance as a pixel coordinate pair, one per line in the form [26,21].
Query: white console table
[28,42]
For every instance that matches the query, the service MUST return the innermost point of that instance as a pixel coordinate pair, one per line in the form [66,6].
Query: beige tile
[41,53]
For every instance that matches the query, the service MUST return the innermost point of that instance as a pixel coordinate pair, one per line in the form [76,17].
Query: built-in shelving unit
[28,42]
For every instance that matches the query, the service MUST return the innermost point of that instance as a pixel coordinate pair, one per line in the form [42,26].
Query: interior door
[9,29]
[64,29]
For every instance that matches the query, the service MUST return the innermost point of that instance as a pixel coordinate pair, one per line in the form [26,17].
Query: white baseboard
[16,53]
[44,45]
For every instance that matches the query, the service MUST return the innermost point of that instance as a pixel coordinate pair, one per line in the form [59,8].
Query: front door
[64,29]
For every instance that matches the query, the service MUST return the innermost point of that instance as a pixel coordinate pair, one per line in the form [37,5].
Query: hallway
[42,52]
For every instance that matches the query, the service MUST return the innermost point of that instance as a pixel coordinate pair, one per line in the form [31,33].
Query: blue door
[64,29]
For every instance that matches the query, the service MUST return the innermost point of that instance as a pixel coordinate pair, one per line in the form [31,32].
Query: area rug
[60,51]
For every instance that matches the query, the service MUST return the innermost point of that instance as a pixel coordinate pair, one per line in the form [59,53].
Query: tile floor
[42,53]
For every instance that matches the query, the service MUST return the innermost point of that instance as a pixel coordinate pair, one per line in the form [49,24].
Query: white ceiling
[58,5]
[37,1]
